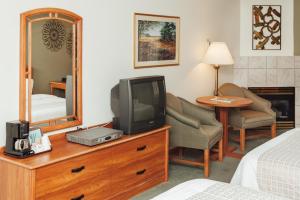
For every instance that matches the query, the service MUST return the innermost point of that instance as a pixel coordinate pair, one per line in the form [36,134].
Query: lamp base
[216,92]
[216,67]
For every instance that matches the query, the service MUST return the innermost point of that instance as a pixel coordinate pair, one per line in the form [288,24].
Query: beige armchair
[258,114]
[193,127]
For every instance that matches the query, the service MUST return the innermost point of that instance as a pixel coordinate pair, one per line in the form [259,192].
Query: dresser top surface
[62,150]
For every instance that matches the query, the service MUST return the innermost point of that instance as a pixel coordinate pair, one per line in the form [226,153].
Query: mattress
[204,189]
[45,107]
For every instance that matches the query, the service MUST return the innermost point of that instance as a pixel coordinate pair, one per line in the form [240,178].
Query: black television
[139,104]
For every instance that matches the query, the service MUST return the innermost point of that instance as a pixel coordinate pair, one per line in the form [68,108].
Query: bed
[45,107]
[273,167]
[48,106]
[204,189]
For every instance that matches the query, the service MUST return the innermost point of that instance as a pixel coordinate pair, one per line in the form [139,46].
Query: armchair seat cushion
[183,135]
[250,119]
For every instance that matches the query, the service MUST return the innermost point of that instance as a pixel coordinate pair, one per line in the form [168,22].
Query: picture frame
[266,27]
[156,40]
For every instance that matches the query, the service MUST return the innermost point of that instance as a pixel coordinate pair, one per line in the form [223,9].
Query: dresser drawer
[130,192]
[138,149]
[92,189]
[73,172]
[137,172]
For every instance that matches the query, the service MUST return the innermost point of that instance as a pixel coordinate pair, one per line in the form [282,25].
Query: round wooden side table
[224,103]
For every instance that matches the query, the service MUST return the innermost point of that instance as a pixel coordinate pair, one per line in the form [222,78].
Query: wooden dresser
[114,170]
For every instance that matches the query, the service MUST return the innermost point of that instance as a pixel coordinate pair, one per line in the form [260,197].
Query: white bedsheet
[204,189]
[246,173]
[186,189]
[45,107]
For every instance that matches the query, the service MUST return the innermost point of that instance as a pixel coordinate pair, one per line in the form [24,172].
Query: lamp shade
[218,54]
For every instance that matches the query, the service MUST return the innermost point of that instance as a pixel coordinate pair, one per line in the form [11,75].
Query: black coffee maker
[17,139]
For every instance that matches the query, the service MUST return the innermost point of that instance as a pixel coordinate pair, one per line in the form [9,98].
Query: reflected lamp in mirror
[218,54]
[50,68]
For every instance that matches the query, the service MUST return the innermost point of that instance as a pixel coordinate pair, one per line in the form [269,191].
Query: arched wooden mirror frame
[26,73]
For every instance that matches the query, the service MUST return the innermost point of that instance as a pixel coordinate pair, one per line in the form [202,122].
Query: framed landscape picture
[156,40]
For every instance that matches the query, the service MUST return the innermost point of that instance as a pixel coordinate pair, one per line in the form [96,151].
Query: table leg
[51,89]
[224,120]
[228,150]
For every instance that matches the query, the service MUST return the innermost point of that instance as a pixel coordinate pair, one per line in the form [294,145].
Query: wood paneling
[16,182]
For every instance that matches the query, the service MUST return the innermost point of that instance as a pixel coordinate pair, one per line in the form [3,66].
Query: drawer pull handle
[77,170]
[141,148]
[78,198]
[141,172]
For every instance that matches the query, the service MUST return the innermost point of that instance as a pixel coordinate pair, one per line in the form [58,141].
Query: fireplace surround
[283,103]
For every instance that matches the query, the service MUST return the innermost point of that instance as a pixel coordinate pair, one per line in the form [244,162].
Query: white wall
[108,47]
[287,29]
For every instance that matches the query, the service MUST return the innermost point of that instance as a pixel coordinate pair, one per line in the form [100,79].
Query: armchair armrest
[206,115]
[183,118]
[259,103]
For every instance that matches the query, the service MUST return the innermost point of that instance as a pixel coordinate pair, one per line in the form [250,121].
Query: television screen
[139,104]
[145,100]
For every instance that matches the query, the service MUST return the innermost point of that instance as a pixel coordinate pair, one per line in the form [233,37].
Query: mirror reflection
[51,70]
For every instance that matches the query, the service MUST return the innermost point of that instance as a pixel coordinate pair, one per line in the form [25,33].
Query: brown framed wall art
[266,27]
[156,40]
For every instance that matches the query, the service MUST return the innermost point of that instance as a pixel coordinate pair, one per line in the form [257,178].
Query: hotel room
[160,99]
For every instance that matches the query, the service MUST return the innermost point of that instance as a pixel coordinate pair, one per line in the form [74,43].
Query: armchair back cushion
[229,89]
[174,103]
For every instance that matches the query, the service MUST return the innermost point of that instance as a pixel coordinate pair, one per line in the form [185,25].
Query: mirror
[50,69]
[297,28]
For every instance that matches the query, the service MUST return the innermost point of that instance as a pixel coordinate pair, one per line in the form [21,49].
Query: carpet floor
[219,171]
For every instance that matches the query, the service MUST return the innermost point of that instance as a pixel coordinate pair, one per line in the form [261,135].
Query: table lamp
[217,54]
